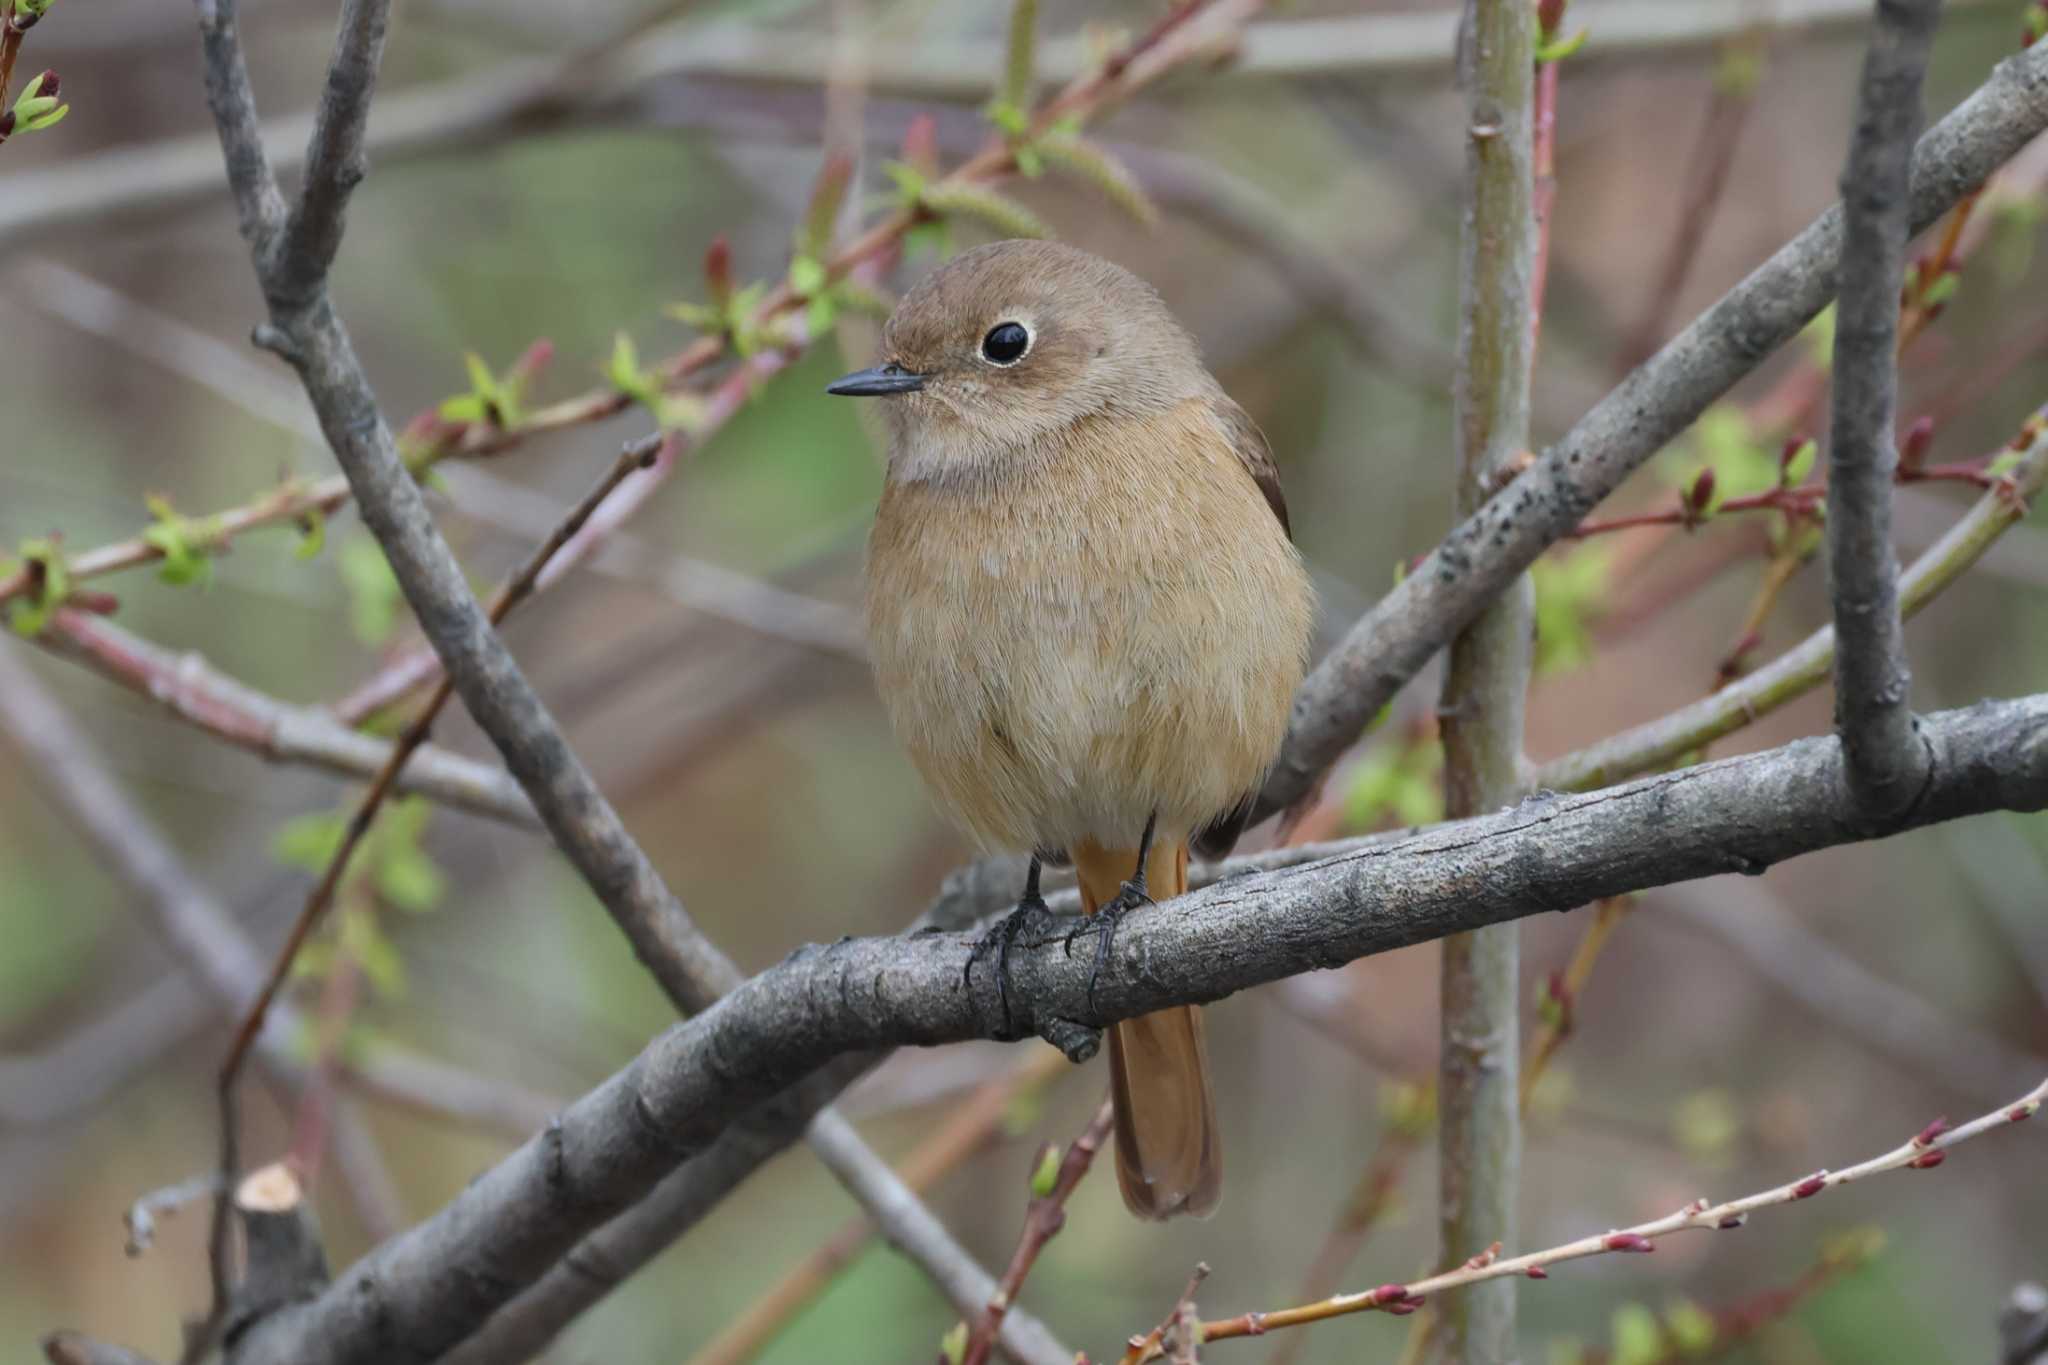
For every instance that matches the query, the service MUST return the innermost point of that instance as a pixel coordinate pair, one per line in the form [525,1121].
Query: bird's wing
[1249,442]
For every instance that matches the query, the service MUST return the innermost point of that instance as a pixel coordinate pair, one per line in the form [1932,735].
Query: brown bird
[1086,616]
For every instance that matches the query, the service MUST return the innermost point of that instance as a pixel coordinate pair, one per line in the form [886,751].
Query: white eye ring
[1008,342]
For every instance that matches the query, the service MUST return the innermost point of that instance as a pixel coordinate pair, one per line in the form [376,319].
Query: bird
[1087,620]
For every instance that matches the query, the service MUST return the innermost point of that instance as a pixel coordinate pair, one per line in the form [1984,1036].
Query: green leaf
[953,1345]
[1941,290]
[42,121]
[1800,466]
[819,315]
[1560,48]
[1819,338]
[910,182]
[1045,1175]
[1571,592]
[972,201]
[1638,1340]
[309,842]
[373,592]
[364,939]
[1030,164]
[807,276]
[623,369]
[1690,1326]
[1095,164]
[312,534]
[28,615]
[410,880]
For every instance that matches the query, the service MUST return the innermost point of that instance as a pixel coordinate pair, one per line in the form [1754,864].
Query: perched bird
[1086,616]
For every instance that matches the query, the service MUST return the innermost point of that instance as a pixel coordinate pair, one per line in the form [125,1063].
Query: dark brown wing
[1250,444]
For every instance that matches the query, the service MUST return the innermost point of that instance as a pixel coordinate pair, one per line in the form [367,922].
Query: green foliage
[998,211]
[492,400]
[1571,593]
[185,543]
[312,534]
[373,593]
[1086,160]
[1557,49]
[50,572]
[35,110]
[953,1345]
[390,863]
[671,411]
[1690,1327]
[1046,1173]
[1797,466]
[1707,1125]
[1819,338]
[1396,784]
[1408,1107]
[1638,1339]
[1725,441]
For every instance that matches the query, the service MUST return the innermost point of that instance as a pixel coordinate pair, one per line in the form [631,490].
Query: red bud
[1926,1136]
[50,83]
[6,123]
[1549,17]
[1628,1241]
[1811,1186]
[718,269]
[1390,1293]
[1537,1272]
[1913,446]
[1732,1221]
[2020,1111]
[1402,1310]
[1927,1161]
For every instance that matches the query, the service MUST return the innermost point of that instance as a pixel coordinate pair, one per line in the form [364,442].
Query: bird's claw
[1030,912]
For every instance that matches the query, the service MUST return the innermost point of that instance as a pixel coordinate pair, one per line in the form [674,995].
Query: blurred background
[1734,1034]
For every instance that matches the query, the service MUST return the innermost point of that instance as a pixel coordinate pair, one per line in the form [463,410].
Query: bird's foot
[1107,916]
[1031,912]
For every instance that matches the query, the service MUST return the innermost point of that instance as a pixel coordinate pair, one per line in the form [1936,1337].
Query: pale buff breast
[1116,628]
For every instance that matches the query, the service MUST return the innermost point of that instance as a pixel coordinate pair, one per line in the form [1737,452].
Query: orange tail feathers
[1169,1156]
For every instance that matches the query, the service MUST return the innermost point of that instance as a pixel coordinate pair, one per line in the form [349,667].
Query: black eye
[1006,343]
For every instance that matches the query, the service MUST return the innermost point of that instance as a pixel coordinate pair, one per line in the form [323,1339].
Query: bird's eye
[1006,343]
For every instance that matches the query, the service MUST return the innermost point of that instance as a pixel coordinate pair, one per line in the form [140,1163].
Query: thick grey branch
[422,1291]
[1657,401]
[1873,711]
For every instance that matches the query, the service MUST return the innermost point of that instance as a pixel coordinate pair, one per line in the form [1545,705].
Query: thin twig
[515,590]
[1807,664]
[1043,1219]
[1888,762]
[1923,1151]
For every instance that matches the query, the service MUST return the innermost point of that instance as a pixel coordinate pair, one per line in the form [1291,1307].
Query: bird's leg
[1031,909]
[1129,897]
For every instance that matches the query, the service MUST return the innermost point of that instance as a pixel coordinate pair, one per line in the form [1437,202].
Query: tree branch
[336,159]
[1479,1137]
[1658,400]
[1873,701]
[415,1295]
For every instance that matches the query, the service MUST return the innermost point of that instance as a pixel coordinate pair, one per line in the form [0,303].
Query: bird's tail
[1169,1159]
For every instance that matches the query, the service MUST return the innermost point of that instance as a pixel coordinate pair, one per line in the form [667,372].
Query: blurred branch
[967,1129]
[431,118]
[1924,1151]
[69,1348]
[611,1146]
[195,692]
[79,1070]
[1878,1014]
[1873,702]
[2023,1327]
[1486,682]
[1806,665]
[1486,552]
[1052,1185]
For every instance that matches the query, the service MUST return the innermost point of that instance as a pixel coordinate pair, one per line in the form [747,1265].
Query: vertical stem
[1480,1137]
[1885,757]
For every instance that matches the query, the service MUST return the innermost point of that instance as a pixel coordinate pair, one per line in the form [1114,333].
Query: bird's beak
[889,378]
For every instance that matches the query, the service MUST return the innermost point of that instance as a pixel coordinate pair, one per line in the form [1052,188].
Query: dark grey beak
[890,378]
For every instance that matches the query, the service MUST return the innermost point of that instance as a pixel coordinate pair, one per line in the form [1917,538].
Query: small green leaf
[1941,290]
[410,880]
[364,939]
[910,182]
[1046,1173]
[373,592]
[1030,164]
[1559,49]
[953,1345]
[998,211]
[819,315]
[312,534]
[1800,465]
[309,842]
[1638,1340]
[1690,1327]
[623,369]
[806,276]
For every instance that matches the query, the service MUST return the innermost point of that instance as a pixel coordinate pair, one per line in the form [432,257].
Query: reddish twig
[1923,1151]
[514,591]
[1043,1219]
